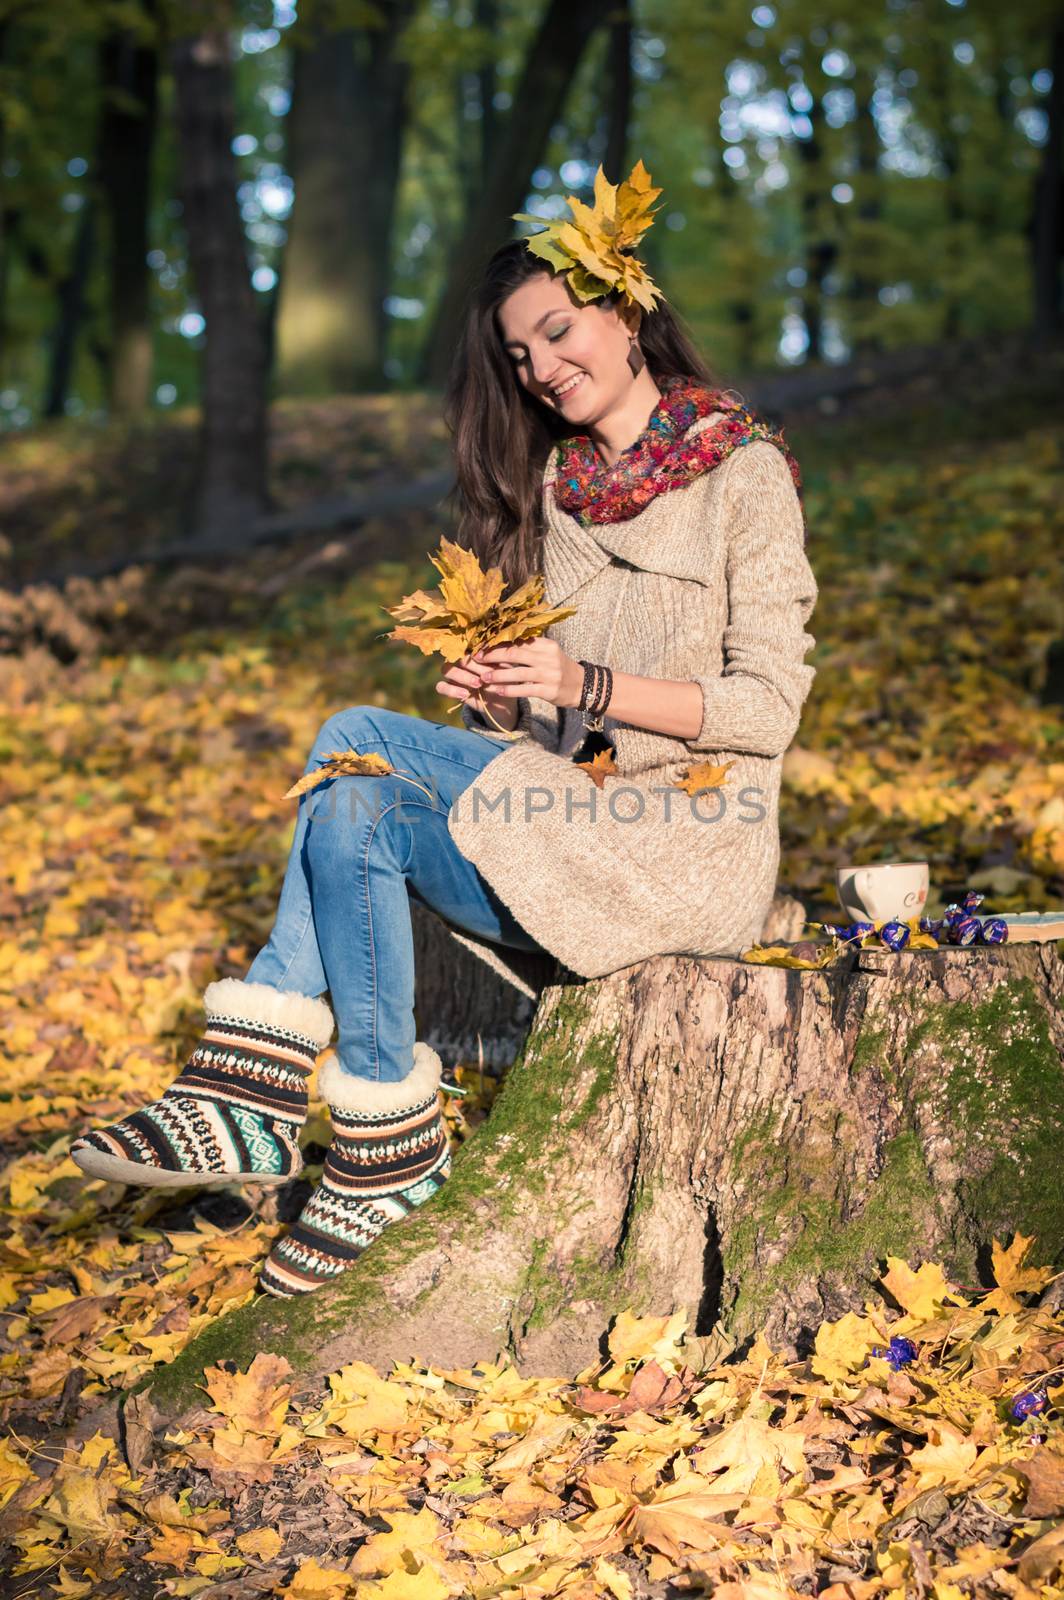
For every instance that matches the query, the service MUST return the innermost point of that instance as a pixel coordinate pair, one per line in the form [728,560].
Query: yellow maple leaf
[254,1401]
[410,1532]
[314,1582]
[1012,1277]
[79,1504]
[920,1293]
[947,1458]
[635,1338]
[14,1471]
[842,1347]
[262,1544]
[425,1584]
[612,1578]
[469,612]
[174,1547]
[748,1444]
[360,1403]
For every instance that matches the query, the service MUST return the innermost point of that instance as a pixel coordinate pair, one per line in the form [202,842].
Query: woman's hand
[464,679]
[539,667]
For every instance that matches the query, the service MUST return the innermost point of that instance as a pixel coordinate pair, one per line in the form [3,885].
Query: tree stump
[747,1142]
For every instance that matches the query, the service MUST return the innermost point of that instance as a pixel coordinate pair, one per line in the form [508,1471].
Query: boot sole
[115,1170]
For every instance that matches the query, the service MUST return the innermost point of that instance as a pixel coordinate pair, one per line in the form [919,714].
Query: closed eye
[553,339]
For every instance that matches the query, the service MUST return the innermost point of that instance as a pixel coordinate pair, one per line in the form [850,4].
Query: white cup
[894,889]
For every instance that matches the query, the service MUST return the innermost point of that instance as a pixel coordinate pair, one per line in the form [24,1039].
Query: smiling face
[571,357]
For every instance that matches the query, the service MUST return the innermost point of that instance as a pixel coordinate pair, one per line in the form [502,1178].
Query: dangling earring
[636,359]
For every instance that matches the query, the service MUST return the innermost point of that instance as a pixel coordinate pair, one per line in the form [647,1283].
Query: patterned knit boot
[389,1153]
[234,1112]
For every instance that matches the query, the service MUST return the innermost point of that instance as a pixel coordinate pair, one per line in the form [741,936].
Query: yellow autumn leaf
[1012,1277]
[262,1544]
[612,1578]
[341,764]
[657,1339]
[314,1582]
[469,612]
[361,1403]
[842,1347]
[782,955]
[80,1504]
[14,1471]
[948,1457]
[425,1584]
[703,775]
[409,1533]
[750,1443]
[922,1293]
[254,1401]
[174,1547]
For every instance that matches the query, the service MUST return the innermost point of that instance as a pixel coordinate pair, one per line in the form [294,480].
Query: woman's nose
[543,370]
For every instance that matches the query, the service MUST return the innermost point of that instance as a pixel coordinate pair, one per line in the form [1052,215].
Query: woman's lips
[572,390]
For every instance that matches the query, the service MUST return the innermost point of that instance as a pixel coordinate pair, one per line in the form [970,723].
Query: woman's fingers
[464,676]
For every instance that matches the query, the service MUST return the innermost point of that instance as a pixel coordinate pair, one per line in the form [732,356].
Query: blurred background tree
[305,218]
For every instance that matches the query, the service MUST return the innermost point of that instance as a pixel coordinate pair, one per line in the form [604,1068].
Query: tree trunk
[747,1142]
[232,471]
[619,80]
[1048,222]
[70,304]
[866,238]
[820,249]
[553,59]
[486,16]
[128,115]
[348,114]
[938,73]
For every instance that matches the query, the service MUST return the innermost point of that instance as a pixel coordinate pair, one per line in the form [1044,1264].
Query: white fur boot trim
[261,1002]
[343,1091]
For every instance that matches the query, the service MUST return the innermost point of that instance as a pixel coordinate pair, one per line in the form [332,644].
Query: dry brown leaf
[341,764]
[1044,1473]
[703,775]
[599,768]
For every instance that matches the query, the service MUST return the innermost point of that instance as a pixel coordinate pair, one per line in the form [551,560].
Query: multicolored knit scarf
[662,458]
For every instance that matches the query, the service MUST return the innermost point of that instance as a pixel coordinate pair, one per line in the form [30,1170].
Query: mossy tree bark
[748,1142]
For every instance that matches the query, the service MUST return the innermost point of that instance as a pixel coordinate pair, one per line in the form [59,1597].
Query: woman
[591,446]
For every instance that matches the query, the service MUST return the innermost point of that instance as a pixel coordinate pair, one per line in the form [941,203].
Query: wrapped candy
[965,930]
[1029,1404]
[852,931]
[895,935]
[933,926]
[995,930]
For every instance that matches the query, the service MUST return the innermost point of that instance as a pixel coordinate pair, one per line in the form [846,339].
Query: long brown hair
[502,436]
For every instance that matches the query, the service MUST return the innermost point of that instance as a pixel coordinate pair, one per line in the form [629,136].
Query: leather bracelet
[597,689]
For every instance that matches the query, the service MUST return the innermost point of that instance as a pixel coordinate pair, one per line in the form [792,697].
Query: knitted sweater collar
[662,458]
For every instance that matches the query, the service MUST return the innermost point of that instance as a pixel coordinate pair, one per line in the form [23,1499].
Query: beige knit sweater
[708,583]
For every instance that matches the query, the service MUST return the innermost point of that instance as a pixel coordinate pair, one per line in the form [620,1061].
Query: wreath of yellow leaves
[594,248]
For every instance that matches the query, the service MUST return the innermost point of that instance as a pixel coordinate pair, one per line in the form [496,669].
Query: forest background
[234,245]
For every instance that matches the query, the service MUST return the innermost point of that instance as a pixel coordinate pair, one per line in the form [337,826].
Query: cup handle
[860,879]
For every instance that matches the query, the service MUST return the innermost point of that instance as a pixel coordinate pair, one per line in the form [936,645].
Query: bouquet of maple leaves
[469,611]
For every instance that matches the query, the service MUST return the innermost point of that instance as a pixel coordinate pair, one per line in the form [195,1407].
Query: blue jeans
[363,847]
